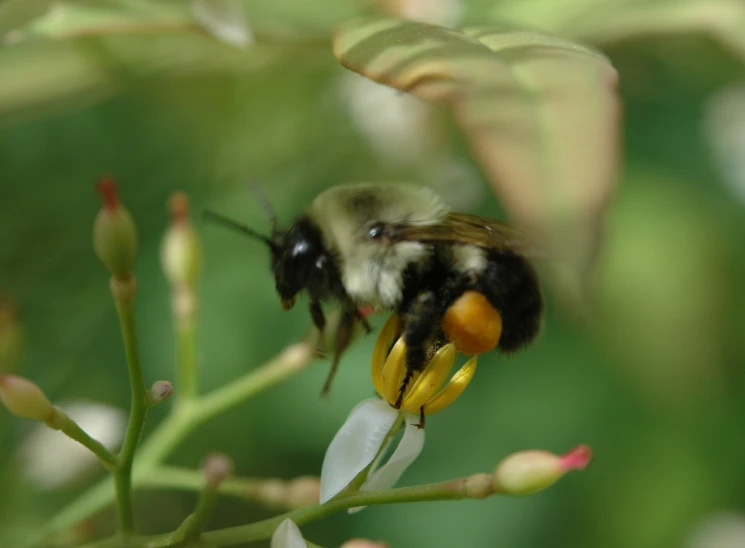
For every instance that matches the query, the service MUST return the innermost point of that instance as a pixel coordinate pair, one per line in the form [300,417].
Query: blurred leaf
[225,19]
[540,113]
[70,19]
[604,21]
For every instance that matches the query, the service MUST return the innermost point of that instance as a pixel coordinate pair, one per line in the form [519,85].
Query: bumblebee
[452,277]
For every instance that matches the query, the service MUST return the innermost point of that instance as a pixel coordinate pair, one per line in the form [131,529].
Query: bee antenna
[264,203]
[230,223]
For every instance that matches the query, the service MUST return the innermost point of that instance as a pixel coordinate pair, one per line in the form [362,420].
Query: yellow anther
[429,389]
[431,379]
[387,335]
[453,389]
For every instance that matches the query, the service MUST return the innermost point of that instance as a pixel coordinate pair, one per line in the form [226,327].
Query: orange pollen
[472,324]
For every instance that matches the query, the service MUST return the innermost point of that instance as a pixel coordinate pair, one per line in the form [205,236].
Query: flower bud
[24,399]
[364,543]
[114,233]
[526,472]
[216,467]
[180,252]
[160,391]
[303,491]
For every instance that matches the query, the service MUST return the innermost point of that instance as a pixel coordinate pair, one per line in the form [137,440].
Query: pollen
[472,324]
[432,389]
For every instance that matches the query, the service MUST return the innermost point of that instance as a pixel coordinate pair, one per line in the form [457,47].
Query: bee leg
[420,321]
[421,418]
[319,320]
[341,342]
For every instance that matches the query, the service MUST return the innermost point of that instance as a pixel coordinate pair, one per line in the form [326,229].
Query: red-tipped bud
[180,252]
[216,467]
[526,472]
[114,233]
[24,399]
[160,391]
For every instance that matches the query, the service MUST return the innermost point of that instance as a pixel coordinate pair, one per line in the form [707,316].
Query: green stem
[289,362]
[65,424]
[175,427]
[260,530]
[187,363]
[448,490]
[123,474]
[197,522]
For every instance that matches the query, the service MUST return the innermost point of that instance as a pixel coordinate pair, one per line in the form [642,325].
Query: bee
[451,277]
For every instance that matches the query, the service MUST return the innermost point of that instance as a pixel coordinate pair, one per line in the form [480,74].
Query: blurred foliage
[654,382]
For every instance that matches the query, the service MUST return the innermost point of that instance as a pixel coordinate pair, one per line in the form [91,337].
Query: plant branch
[123,475]
[61,421]
[188,382]
[176,427]
[447,490]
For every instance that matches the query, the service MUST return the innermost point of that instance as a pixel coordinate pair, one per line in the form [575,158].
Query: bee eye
[376,231]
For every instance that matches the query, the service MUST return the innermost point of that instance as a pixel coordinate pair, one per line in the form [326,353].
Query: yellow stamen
[431,379]
[453,389]
[393,371]
[387,335]
[388,369]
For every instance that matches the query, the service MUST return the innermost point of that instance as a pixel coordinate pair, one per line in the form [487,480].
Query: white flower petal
[387,476]
[355,445]
[50,459]
[287,535]
[225,19]
[407,451]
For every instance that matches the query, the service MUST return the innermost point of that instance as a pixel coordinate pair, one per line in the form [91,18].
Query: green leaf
[605,21]
[540,113]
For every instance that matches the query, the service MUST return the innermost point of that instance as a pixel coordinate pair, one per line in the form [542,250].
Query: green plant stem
[176,426]
[69,427]
[174,477]
[188,382]
[138,408]
[447,490]
[197,521]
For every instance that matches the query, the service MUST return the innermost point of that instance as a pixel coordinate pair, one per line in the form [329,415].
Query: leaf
[540,113]
[606,21]
[225,19]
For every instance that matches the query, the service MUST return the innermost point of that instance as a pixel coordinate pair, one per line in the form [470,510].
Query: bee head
[294,258]
[295,254]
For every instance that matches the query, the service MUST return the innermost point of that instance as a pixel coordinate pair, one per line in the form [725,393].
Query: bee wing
[462,228]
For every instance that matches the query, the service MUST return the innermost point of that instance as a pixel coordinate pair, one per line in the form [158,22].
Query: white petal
[287,535]
[355,445]
[50,459]
[407,451]
[225,19]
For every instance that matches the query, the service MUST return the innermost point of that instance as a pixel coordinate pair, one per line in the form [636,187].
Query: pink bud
[160,391]
[24,399]
[526,472]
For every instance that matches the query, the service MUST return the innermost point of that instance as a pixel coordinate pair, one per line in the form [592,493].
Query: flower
[287,535]
[356,453]
[425,392]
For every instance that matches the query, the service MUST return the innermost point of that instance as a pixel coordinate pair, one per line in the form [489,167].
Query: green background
[654,382]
